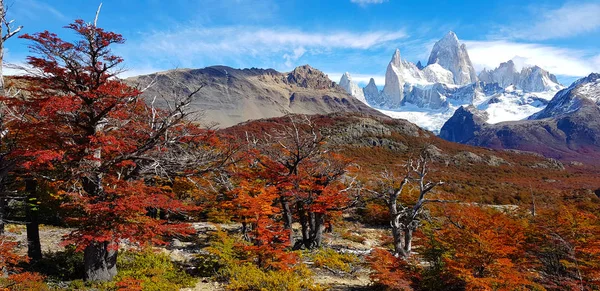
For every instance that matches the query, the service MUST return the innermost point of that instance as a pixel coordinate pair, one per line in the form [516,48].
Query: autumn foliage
[127,173]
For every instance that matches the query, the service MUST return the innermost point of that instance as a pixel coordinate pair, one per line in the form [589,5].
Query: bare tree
[5,145]
[4,36]
[406,219]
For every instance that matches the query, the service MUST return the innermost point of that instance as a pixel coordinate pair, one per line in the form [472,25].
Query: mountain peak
[396,58]
[345,77]
[419,65]
[309,77]
[452,56]
[371,92]
[352,88]
[451,37]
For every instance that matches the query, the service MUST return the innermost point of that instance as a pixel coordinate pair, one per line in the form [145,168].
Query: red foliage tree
[98,140]
[12,276]
[485,249]
[308,177]
[565,244]
[391,272]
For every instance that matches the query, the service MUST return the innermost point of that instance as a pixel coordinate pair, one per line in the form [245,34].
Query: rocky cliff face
[398,73]
[371,93]
[451,55]
[463,125]
[230,96]
[352,88]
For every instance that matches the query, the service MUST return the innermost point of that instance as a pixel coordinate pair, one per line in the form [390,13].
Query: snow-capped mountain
[568,128]
[352,88]
[450,54]
[529,79]
[585,91]
[428,96]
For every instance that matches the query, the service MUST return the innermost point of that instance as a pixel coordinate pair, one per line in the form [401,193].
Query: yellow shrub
[331,259]
[249,277]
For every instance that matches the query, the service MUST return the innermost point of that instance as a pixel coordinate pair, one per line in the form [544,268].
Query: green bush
[62,266]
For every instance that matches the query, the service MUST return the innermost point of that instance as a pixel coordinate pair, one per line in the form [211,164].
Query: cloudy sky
[358,36]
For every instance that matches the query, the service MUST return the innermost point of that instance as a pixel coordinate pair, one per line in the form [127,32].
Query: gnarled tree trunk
[287,218]
[100,262]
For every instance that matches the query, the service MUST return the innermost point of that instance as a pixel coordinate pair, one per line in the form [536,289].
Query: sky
[335,36]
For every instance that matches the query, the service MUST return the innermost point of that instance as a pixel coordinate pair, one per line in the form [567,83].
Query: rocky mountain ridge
[230,96]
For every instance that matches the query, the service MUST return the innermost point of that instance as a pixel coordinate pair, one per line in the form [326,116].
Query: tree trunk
[100,262]
[305,226]
[319,227]
[408,236]
[287,218]
[34,247]
[2,208]
[398,247]
[2,12]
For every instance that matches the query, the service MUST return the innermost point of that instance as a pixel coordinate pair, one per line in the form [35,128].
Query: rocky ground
[358,240]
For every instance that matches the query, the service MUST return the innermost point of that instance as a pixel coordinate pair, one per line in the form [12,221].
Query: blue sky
[358,36]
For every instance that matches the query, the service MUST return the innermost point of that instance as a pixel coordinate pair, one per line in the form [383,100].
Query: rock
[529,79]
[309,77]
[371,92]
[464,124]
[398,73]
[468,157]
[495,161]
[230,96]
[352,88]
[451,55]
[419,65]
[177,243]
[431,96]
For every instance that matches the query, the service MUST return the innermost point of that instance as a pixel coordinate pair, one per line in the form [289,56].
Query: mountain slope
[478,174]
[230,96]
[568,128]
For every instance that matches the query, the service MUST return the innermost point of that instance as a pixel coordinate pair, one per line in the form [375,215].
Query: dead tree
[406,219]
[5,164]
[4,36]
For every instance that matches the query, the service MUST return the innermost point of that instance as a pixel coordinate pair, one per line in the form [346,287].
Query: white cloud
[32,9]
[189,44]
[572,19]
[367,2]
[291,58]
[361,79]
[559,61]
